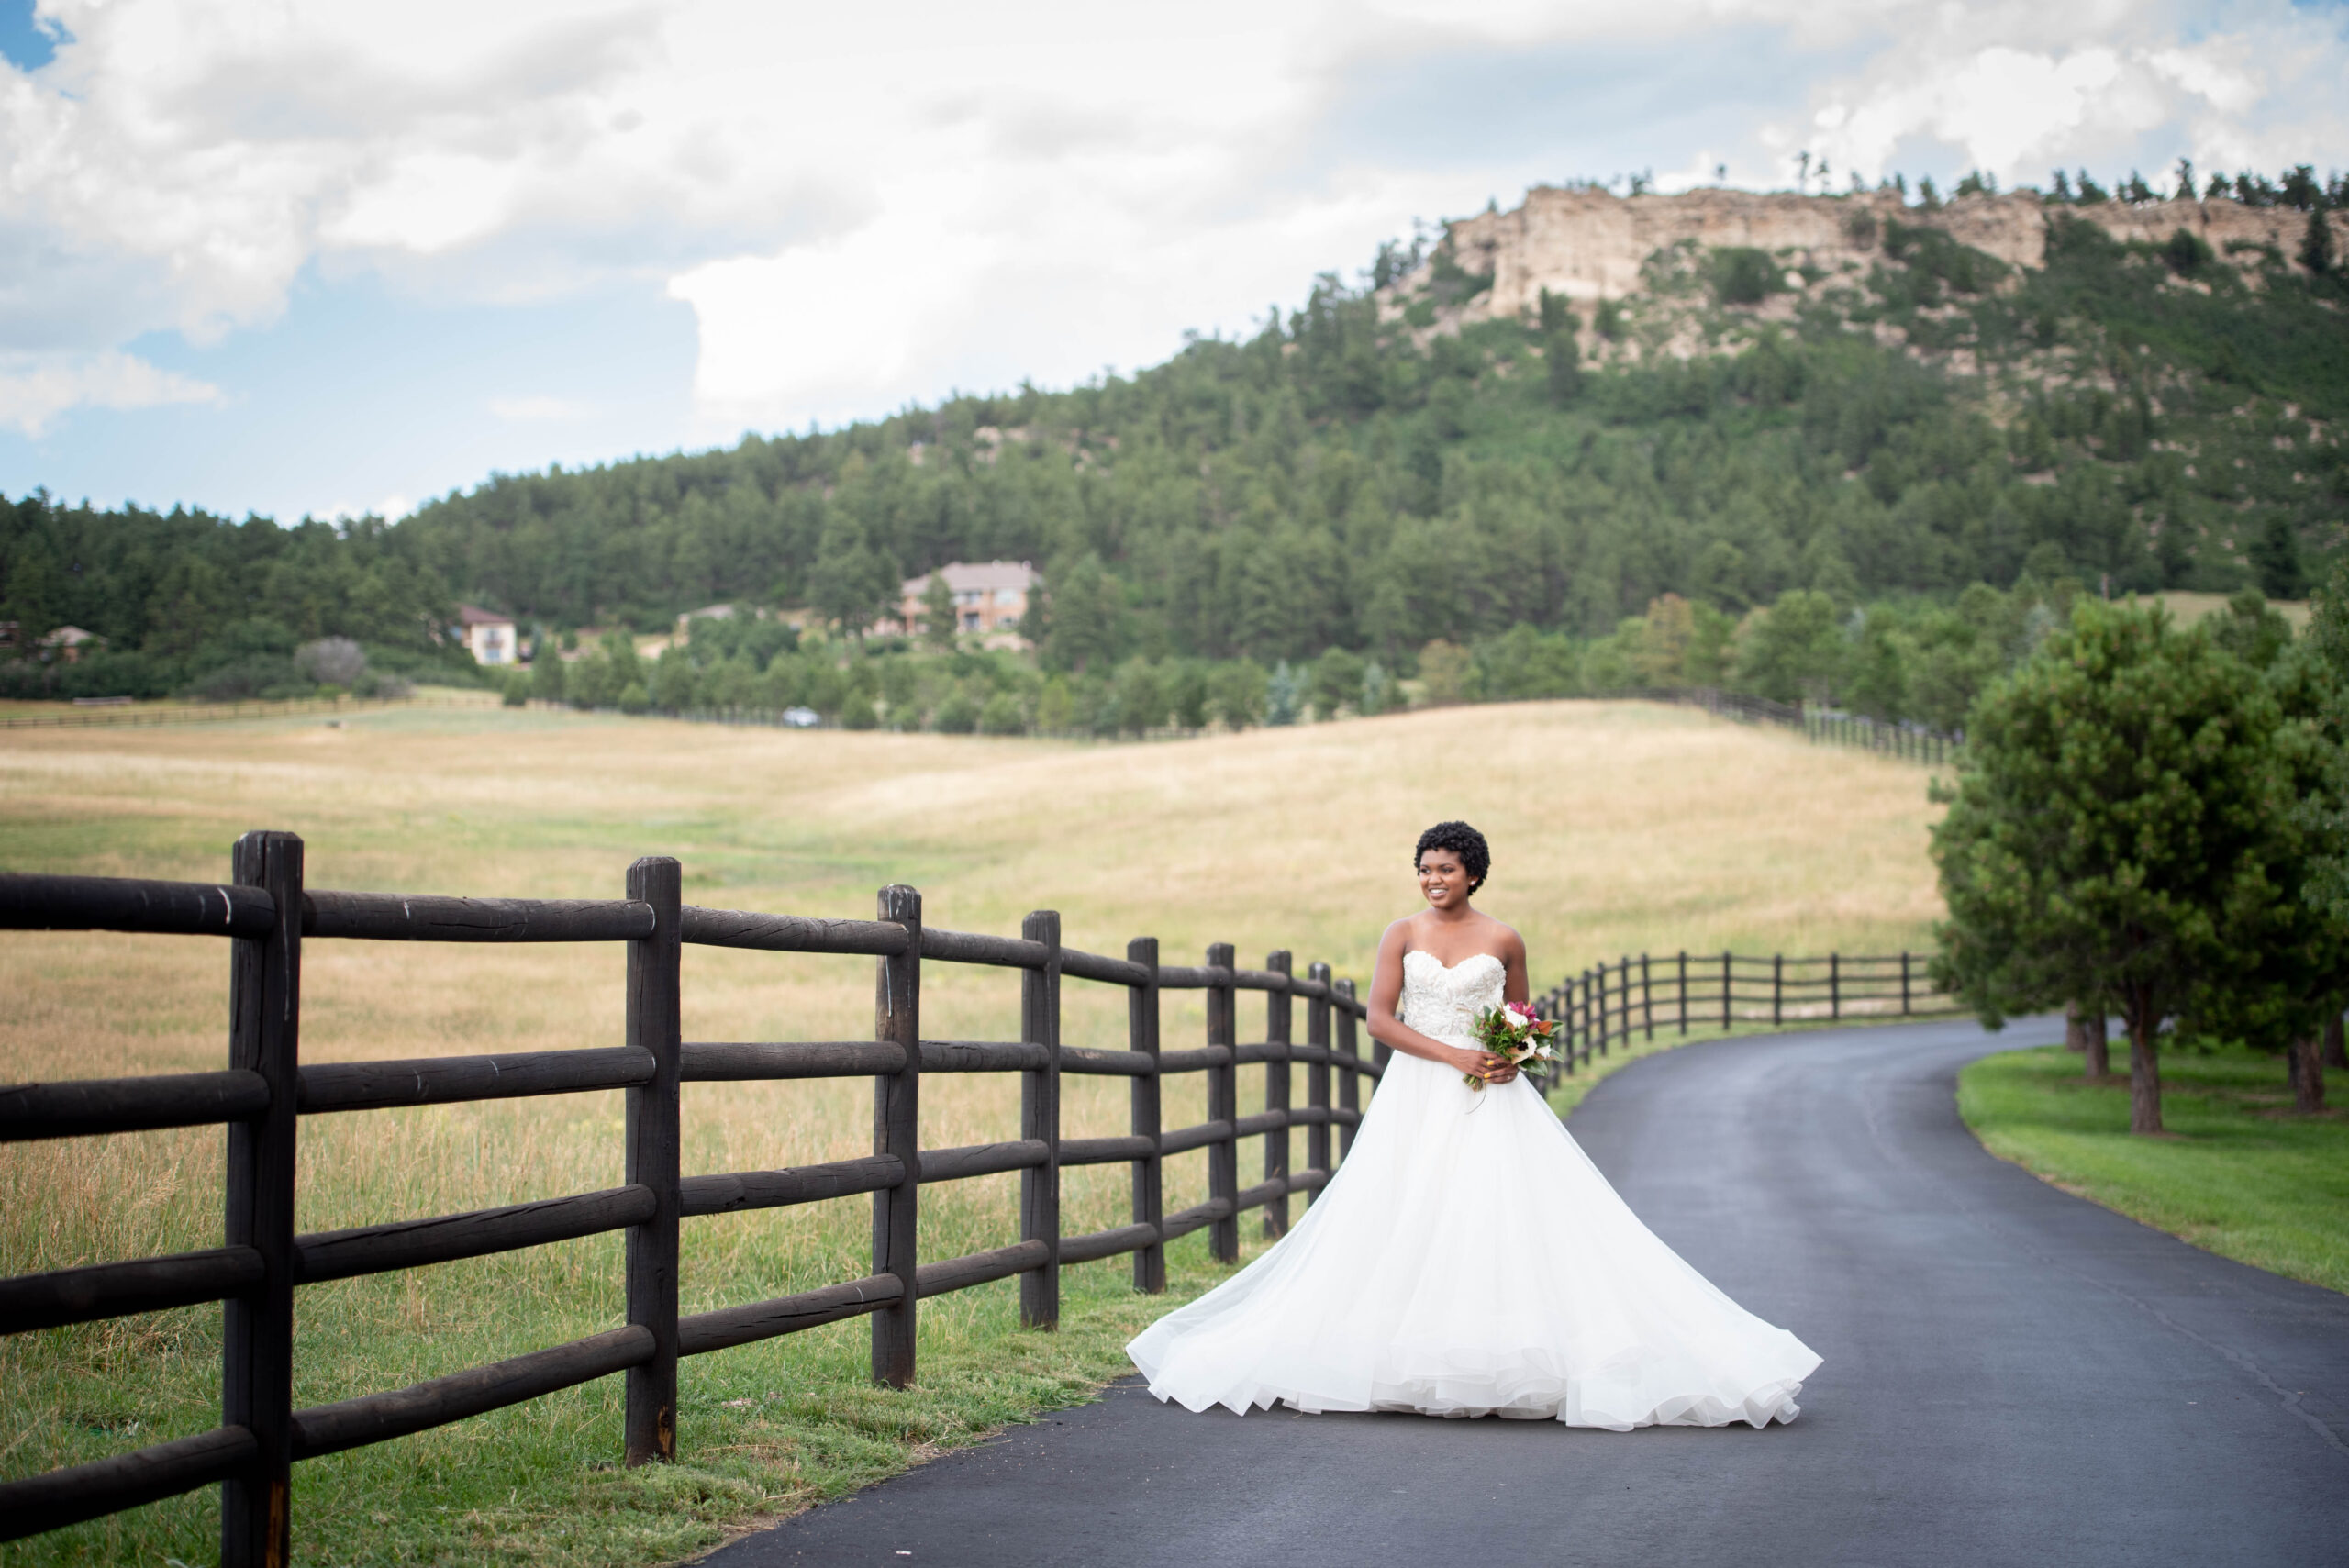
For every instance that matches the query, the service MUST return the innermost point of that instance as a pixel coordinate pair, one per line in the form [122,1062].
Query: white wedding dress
[1467,1259]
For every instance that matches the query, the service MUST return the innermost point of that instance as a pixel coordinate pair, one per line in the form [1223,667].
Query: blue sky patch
[26,41]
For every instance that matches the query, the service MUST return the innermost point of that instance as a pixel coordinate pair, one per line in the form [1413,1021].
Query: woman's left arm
[1517,987]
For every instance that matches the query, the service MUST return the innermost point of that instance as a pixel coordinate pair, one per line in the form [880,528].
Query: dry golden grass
[1616,828]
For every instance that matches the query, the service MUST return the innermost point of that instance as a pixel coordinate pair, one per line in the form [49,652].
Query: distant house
[989,597]
[709,612]
[487,636]
[68,642]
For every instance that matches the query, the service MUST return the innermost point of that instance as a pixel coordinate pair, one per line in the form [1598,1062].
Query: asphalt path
[2012,1376]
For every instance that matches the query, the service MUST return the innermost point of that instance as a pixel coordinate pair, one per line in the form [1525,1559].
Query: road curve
[2012,1376]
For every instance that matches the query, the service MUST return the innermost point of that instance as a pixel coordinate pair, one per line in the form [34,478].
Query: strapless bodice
[1442,1000]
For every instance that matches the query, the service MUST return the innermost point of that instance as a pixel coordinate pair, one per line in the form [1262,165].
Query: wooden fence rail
[1610,1003]
[266,913]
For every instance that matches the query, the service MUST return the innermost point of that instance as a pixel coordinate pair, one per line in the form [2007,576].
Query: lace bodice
[1444,1001]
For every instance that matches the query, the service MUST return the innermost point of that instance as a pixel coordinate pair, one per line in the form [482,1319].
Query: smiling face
[1443,880]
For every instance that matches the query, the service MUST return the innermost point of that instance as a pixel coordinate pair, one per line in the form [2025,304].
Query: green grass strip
[764,1431]
[2240,1173]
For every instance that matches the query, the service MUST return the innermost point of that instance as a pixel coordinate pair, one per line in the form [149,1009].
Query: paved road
[2012,1376]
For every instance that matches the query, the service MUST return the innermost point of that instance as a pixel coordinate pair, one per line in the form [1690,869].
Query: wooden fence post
[1223,1105]
[1149,1121]
[1834,985]
[1683,990]
[1598,1005]
[654,1024]
[1647,998]
[1349,1081]
[1904,983]
[1728,984]
[1276,1094]
[1316,1078]
[1778,987]
[257,1338]
[896,1130]
[1039,1118]
[1578,1013]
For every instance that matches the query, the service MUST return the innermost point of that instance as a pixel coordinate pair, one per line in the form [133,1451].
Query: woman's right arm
[1386,990]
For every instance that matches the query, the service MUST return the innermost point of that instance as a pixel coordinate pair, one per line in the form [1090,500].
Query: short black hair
[1462,840]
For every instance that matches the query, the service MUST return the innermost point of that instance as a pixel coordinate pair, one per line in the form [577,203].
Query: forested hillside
[2131,415]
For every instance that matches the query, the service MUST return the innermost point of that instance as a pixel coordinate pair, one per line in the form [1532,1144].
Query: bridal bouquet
[1512,1030]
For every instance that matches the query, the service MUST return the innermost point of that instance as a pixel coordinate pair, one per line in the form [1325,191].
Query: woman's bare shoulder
[1506,944]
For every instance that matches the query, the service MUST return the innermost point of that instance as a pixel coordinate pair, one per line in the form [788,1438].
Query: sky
[325,260]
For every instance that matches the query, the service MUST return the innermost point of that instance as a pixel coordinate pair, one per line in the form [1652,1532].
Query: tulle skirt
[1467,1259]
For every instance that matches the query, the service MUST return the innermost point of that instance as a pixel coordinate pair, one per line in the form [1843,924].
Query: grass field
[1617,827]
[2242,1174]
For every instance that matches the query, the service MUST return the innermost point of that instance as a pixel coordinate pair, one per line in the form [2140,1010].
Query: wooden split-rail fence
[1608,1003]
[266,914]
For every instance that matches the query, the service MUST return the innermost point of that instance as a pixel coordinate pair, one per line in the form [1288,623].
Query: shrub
[1001,715]
[958,714]
[255,675]
[1335,682]
[331,661]
[1283,693]
[1443,671]
[1743,276]
[380,685]
[2185,253]
[1237,692]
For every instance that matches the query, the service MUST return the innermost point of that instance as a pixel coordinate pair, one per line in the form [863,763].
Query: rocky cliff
[1590,244]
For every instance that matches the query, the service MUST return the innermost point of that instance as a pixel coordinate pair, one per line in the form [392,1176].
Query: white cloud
[863,204]
[2017,92]
[391,508]
[36,388]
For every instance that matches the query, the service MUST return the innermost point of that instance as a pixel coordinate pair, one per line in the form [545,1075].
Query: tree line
[2149,823]
[187,602]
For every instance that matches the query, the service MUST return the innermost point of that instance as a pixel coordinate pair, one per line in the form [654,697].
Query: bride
[1467,1259]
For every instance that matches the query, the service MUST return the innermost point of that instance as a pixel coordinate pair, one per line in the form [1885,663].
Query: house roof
[469,615]
[964,577]
[70,637]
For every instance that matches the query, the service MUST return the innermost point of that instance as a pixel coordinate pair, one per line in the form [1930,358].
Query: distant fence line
[266,912]
[1910,743]
[110,715]
[1608,1004]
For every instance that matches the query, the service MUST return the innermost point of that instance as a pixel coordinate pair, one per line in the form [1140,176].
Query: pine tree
[938,612]
[2111,840]
[2316,243]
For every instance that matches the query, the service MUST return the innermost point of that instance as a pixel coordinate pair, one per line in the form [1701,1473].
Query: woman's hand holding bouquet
[1513,1033]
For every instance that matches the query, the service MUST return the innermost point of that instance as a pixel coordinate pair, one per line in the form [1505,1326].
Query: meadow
[1617,827]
